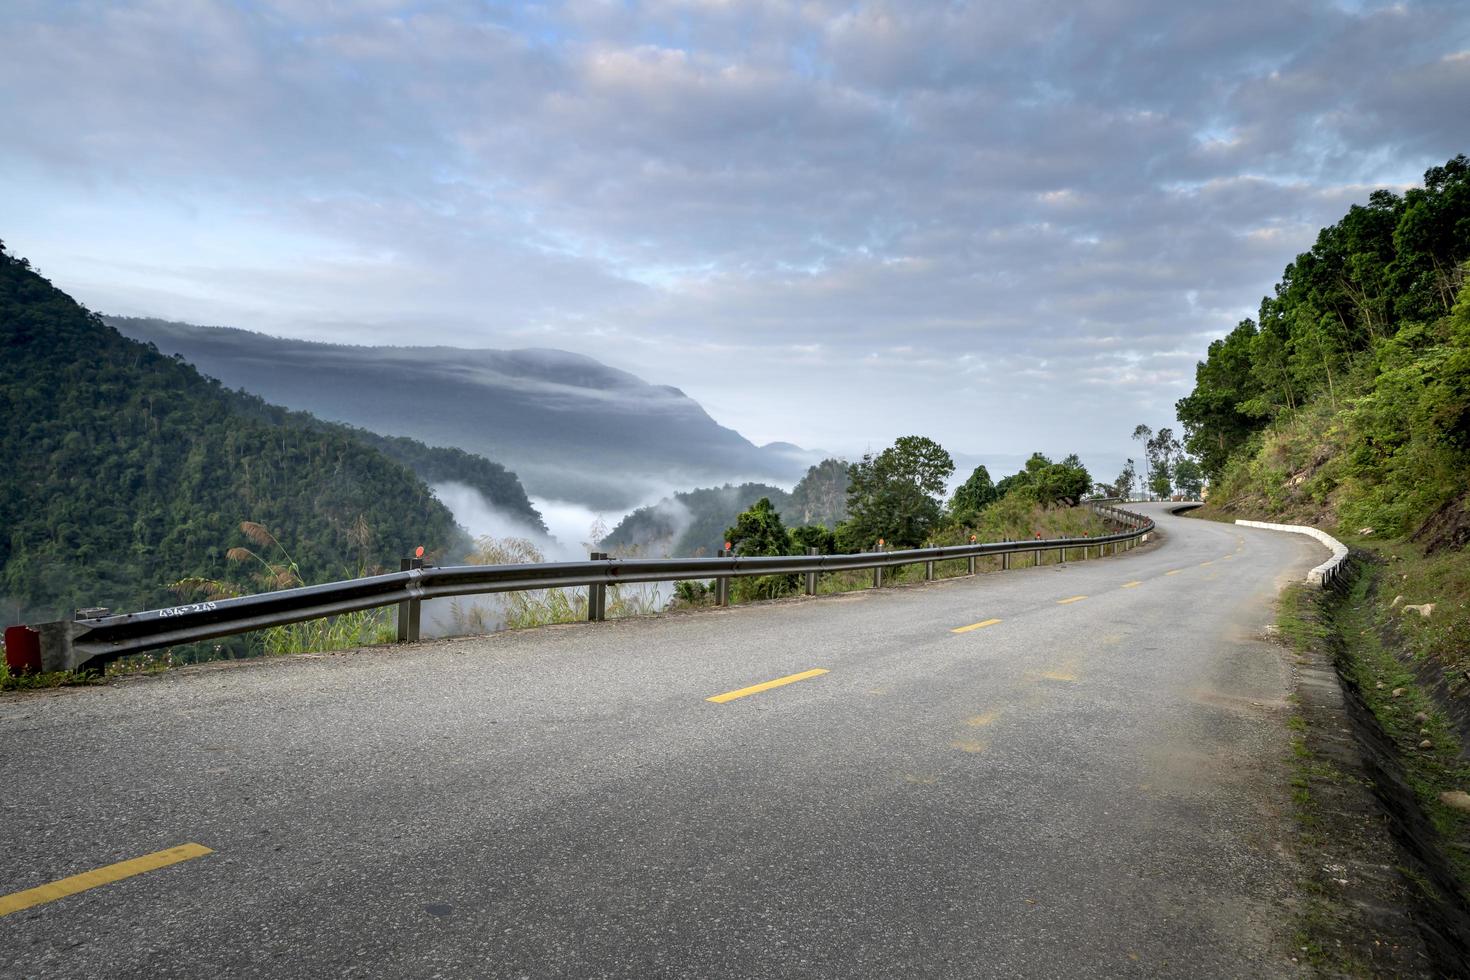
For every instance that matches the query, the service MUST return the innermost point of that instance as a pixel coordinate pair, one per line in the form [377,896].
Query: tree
[1126,480]
[1160,451]
[1049,483]
[1189,477]
[973,496]
[1064,483]
[1391,264]
[759,531]
[1215,421]
[1160,486]
[817,536]
[1143,434]
[895,494]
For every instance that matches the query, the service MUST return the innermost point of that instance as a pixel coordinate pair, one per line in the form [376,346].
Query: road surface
[1091,781]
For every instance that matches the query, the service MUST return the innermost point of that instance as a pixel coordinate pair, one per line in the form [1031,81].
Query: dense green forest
[126,470]
[1350,393]
[445,464]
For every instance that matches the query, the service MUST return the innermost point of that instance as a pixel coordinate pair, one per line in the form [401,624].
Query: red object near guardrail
[22,649]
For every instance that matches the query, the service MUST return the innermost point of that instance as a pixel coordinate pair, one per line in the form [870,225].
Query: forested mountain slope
[571,427]
[1346,405]
[125,470]
[1348,399]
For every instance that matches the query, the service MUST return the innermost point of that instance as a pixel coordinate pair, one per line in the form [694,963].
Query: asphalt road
[1084,788]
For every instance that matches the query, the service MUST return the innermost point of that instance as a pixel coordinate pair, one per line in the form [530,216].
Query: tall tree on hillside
[1049,484]
[1215,418]
[759,531]
[1126,480]
[1162,450]
[973,496]
[895,494]
[1432,241]
[1142,433]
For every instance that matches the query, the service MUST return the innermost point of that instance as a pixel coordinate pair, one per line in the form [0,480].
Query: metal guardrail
[84,642]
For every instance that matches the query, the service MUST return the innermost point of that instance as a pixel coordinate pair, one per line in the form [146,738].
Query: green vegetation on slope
[690,523]
[446,464]
[1352,388]
[1348,405]
[893,502]
[126,470]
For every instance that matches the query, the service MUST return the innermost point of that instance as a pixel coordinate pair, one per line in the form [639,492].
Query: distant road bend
[1064,771]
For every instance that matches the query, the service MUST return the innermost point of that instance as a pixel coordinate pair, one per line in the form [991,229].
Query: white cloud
[744,199]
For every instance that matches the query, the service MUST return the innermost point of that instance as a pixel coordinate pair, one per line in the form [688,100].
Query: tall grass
[542,607]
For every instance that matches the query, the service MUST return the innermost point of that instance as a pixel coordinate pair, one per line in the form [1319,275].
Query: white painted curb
[1325,573]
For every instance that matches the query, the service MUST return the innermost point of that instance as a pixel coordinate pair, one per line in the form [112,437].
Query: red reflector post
[22,649]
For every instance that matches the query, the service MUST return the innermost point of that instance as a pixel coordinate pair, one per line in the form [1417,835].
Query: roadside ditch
[1378,762]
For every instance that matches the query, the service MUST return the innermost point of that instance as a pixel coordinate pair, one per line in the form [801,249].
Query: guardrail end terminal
[22,650]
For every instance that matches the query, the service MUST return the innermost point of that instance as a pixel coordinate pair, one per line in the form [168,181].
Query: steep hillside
[126,470]
[1348,400]
[571,427]
[444,464]
[690,523]
[1346,405]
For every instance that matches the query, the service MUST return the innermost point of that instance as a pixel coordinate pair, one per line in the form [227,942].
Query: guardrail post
[811,577]
[409,610]
[722,583]
[597,594]
[878,574]
[928,571]
[972,564]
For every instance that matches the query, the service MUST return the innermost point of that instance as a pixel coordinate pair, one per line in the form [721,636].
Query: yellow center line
[1204,563]
[1131,585]
[1075,598]
[975,626]
[757,688]
[1175,571]
[16,901]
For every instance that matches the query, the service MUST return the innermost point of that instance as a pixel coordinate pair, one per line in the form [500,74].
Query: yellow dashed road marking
[969,745]
[1075,598]
[16,901]
[975,626]
[1175,571]
[1059,675]
[1131,585]
[768,685]
[981,720]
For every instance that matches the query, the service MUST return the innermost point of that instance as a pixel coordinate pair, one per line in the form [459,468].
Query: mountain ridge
[128,470]
[571,427]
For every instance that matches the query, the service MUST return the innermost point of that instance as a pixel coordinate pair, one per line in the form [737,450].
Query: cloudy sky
[1007,225]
